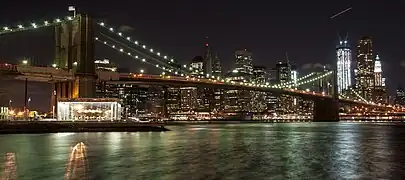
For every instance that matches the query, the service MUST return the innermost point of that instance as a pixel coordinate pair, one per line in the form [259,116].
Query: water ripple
[242,151]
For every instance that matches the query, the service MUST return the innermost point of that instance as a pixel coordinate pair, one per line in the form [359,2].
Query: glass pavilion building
[89,109]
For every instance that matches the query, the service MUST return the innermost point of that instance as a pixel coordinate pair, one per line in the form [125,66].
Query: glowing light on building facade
[365,68]
[88,109]
[379,94]
[344,60]
[243,61]
[294,75]
[378,72]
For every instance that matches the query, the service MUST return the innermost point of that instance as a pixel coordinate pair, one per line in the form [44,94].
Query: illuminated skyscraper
[216,66]
[197,66]
[283,72]
[294,75]
[344,60]
[378,72]
[212,64]
[400,96]
[208,60]
[105,65]
[379,93]
[364,72]
[259,74]
[243,62]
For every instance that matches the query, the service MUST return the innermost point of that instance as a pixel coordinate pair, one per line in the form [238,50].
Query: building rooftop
[197,59]
[88,100]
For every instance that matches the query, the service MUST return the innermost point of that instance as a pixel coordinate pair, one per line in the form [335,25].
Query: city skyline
[321,49]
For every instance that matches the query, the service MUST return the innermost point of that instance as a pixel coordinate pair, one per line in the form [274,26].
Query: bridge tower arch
[74,52]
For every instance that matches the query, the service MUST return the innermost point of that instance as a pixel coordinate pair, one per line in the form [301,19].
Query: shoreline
[38,127]
[170,123]
[233,122]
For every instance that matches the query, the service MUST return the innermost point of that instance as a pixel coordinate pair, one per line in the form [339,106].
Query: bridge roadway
[189,81]
[184,81]
[35,73]
[52,74]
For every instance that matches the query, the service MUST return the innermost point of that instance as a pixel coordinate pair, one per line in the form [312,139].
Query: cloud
[402,63]
[126,28]
[314,66]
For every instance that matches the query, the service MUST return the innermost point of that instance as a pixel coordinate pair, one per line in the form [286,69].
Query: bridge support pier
[65,89]
[326,110]
[85,86]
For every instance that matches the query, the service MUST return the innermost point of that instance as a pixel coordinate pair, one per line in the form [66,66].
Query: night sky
[178,28]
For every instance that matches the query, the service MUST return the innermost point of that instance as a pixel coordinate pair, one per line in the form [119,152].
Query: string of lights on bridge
[294,82]
[299,83]
[358,95]
[144,60]
[160,64]
[139,44]
[34,25]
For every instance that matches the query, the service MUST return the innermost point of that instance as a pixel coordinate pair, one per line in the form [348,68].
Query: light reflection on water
[77,168]
[10,168]
[242,151]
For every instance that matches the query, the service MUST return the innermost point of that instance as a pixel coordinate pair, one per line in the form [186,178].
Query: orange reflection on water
[77,165]
[10,168]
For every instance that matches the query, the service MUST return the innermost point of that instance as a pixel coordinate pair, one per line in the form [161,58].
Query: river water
[233,151]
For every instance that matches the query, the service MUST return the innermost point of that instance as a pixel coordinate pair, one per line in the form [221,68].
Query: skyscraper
[243,61]
[378,72]
[294,75]
[208,61]
[379,93]
[283,72]
[344,60]
[364,72]
[216,66]
[400,96]
[259,74]
[197,66]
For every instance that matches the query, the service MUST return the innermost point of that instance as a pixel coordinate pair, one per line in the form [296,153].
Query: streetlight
[25,62]
[142,71]
[29,100]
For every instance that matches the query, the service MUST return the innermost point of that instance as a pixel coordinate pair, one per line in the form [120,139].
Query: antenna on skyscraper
[286,57]
[288,60]
[206,41]
[347,36]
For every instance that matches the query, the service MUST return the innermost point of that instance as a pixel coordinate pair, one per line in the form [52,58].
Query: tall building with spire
[344,61]
[379,94]
[364,72]
[208,61]
[378,72]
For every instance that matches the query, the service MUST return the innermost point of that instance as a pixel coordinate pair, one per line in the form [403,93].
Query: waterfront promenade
[17,127]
